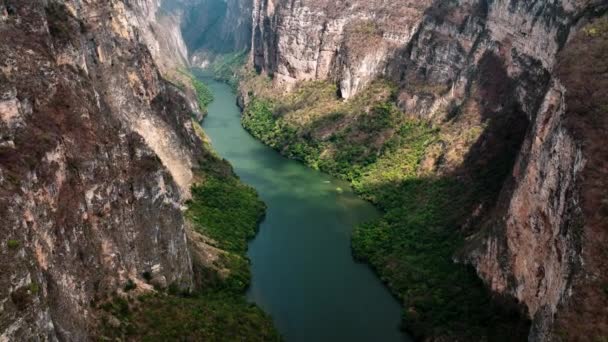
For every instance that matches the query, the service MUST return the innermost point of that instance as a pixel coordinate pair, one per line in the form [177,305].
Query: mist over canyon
[475,127]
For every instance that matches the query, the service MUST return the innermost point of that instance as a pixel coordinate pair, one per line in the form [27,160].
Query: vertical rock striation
[349,42]
[96,152]
[211,27]
[492,65]
[161,32]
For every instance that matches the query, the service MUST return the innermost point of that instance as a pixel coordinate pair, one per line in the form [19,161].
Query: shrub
[34,288]
[227,211]
[13,244]
[203,94]
[21,298]
[130,285]
[205,317]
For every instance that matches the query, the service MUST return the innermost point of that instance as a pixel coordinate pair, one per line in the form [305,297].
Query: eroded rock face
[494,61]
[96,152]
[212,27]
[160,31]
[349,42]
[544,247]
[533,248]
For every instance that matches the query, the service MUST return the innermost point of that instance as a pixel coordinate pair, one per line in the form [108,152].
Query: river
[303,273]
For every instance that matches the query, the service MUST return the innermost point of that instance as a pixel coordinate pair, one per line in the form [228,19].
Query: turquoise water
[303,273]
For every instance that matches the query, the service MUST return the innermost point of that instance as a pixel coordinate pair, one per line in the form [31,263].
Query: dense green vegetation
[226,68]
[227,213]
[13,244]
[259,120]
[213,316]
[204,96]
[370,143]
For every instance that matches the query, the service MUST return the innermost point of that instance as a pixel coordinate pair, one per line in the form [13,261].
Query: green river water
[303,273]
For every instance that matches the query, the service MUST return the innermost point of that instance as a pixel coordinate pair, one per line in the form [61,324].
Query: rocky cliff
[348,42]
[212,28]
[544,239]
[499,81]
[161,32]
[96,152]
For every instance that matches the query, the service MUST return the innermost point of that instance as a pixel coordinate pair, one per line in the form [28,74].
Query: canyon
[100,180]
[491,78]
[475,126]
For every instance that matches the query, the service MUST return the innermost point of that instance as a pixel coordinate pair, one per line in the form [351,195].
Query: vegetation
[13,244]
[130,285]
[226,68]
[204,95]
[227,213]
[259,120]
[205,317]
[34,288]
[370,143]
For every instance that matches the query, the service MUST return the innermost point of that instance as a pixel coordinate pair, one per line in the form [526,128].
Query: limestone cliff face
[96,152]
[543,239]
[477,64]
[161,31]
[212,27]
[349,42]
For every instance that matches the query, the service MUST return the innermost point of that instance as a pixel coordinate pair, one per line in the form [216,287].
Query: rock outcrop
[544,240]
[161,32]
[349,42]
[96,153]
[493,66]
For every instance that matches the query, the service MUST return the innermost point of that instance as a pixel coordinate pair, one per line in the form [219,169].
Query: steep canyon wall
[494,67]
[96,152]
[97,149]
[212,28]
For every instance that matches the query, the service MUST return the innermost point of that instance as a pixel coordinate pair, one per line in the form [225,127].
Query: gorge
[475,127]
[302,270]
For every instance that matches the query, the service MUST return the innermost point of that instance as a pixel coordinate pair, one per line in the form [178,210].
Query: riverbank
[223,215]
[385,156]
[303,272]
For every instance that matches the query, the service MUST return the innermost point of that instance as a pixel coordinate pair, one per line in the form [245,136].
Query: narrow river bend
[303,273]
